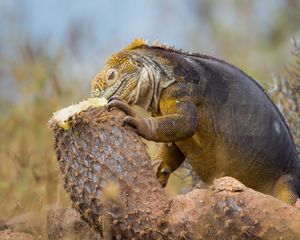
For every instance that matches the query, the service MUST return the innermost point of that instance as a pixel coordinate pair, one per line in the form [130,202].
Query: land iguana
[206,110]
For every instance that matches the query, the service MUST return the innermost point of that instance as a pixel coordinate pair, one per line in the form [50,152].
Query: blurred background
[51,49]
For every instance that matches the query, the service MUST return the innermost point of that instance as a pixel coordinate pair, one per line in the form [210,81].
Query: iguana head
[118,78]
[133,75]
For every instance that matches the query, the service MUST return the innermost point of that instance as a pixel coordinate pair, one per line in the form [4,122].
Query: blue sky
[114,23]
[117,22]
[108,25]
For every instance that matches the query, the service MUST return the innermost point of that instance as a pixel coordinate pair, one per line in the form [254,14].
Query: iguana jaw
[151,81]
[137,88]
[143,93]
[147,92]
[121,89]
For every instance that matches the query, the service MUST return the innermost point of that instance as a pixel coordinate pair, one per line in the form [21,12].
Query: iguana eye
[111,75]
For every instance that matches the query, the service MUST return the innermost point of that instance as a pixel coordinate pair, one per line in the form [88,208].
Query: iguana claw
[132,119]
[122,105]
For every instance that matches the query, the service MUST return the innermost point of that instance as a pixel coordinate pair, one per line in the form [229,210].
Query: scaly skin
[207,111]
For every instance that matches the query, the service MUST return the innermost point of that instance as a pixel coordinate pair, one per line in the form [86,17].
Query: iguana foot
[284,190]
[122,105]
[132,119]
[163,173]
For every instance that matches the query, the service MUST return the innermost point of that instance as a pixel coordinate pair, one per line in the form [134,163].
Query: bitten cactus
[99,162]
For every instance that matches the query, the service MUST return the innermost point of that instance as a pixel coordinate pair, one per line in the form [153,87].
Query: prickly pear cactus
[97,157]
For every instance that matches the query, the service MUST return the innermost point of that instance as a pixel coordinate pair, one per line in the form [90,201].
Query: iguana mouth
[118,90]
[109,94]
[112,95]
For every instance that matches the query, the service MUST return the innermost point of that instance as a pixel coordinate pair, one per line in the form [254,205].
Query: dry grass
[29,181]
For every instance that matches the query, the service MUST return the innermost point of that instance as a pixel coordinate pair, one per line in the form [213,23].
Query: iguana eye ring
[111,74]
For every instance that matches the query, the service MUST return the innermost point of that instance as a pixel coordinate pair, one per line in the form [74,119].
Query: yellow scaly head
[118,78]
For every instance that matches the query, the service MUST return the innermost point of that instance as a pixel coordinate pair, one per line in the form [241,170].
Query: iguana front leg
[179,120]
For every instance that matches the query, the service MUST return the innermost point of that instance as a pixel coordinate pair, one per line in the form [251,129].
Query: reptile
[205,110]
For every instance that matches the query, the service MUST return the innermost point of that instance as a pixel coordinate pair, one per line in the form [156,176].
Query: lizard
[205,110]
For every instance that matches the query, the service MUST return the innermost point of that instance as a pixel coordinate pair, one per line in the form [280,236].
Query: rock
[67,224]
[10,235]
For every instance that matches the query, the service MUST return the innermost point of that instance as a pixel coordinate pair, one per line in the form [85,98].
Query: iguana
[206,110]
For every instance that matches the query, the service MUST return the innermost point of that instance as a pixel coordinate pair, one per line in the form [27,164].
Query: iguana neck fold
[153,79]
